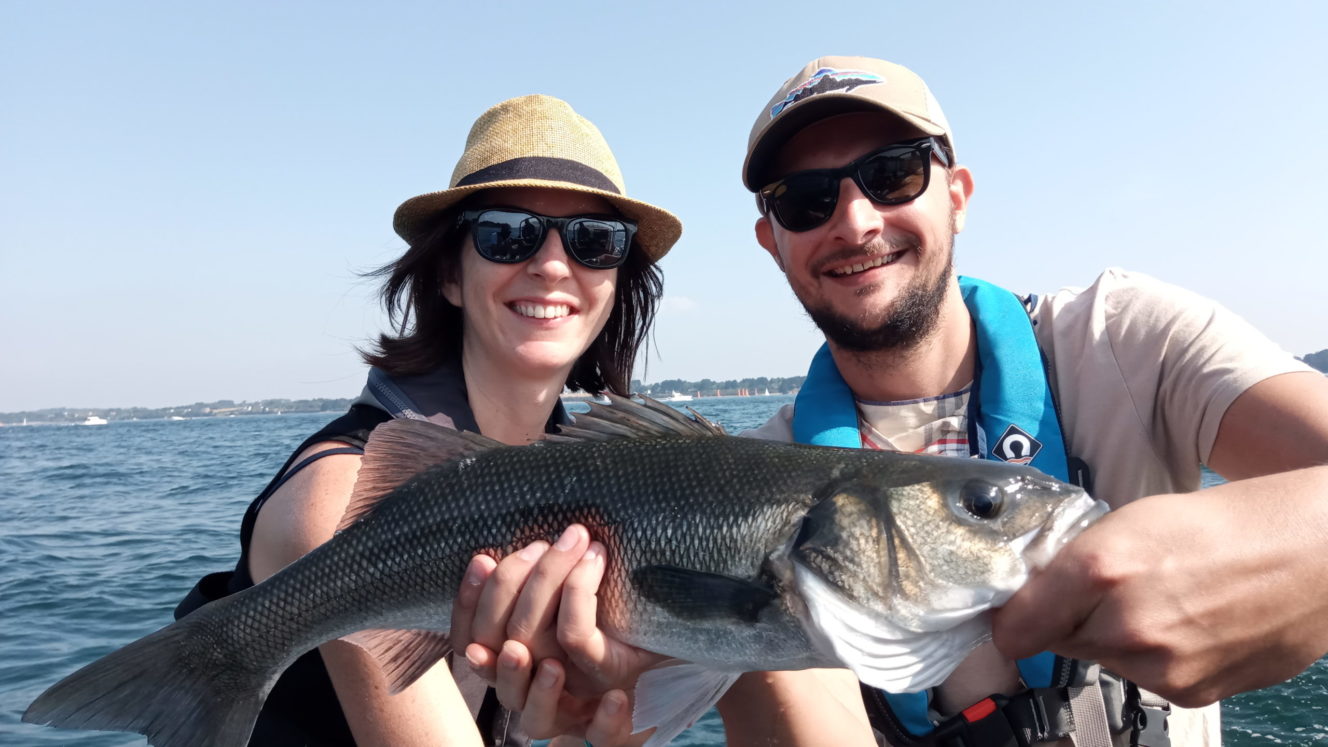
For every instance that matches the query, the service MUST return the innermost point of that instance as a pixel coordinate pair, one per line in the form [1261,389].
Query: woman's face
[532,318]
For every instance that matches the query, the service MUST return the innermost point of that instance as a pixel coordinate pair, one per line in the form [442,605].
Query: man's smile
[855,268]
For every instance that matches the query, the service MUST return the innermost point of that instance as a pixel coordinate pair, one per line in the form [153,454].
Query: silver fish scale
[698,531]
[716,505]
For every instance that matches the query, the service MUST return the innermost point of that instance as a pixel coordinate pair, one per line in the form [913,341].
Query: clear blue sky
[187,190]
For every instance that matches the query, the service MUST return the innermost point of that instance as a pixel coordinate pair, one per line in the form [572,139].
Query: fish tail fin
[155,686]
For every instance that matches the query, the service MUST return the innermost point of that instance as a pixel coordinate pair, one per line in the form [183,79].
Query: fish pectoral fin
[699,595]
[672,698]
[400,449]
[404,655]
[880,653]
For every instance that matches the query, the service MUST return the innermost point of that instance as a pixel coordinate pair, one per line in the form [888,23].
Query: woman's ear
[451,289]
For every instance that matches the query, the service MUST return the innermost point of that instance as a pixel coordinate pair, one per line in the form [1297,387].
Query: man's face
[872,277]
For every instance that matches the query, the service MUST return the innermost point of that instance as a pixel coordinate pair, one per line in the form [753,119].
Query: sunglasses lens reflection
[501,236]
[894,177]
[597,243]
[511,236]
[805,201]
[890,176]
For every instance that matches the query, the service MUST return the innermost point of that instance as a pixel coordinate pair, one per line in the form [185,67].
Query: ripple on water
[107,528]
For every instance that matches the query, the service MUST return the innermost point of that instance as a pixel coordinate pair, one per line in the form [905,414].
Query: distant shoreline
[671,389]
[675,389]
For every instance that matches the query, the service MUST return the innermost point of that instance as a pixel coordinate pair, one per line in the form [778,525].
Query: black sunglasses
[893,175]
[511,235]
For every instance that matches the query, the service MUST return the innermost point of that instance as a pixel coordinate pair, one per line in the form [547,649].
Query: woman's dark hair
[428,328]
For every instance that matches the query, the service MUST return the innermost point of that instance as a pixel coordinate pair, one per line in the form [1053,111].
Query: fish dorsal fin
[627,418]
[400,449]
[404,655]
[674,696]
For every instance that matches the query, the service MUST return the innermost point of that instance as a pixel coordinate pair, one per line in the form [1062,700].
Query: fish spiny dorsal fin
[627,418]
[400,449]
[404,655]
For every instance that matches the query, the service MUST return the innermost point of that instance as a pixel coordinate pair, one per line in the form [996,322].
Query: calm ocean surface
[107,527]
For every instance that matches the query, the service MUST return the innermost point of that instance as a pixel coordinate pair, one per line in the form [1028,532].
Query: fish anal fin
[674,696]
[400,449]
[700,595]
[404,655]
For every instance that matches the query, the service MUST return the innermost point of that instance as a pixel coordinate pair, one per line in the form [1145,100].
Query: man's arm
[1202,595]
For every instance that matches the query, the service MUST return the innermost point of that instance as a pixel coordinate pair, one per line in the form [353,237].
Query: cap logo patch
[825,80]
[1017,446]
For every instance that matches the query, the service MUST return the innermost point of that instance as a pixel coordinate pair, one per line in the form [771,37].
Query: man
[1193,596]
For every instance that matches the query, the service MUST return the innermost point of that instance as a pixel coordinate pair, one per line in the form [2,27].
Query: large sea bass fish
[730,554]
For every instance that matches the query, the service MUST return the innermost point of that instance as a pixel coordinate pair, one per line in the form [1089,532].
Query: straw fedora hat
[538,141]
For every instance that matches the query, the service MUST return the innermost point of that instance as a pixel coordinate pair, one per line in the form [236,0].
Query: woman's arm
[810,707]
[303,514]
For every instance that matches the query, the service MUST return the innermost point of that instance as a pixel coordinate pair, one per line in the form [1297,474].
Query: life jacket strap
[1088,707]
[1036,716]
[1027,718]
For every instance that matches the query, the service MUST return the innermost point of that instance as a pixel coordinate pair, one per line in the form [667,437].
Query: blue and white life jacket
[1012,416]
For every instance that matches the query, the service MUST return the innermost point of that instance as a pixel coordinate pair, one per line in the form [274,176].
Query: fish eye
[982,499]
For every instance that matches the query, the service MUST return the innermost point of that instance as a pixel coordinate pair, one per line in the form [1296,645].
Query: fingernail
[611,704]
[474,574]
[595,552]
[567,541]
[508,660]
[546,677]
[472,660]
[534,551]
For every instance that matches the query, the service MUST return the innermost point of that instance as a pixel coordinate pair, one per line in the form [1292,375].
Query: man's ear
[765,236]
[961,190]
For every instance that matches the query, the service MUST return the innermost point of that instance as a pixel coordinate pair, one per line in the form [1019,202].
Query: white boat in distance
[677,397]
[94,420]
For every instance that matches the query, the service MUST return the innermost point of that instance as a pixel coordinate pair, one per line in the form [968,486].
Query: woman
[532,272]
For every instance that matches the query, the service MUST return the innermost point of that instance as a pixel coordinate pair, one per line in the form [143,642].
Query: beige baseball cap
[538,141]
[828,86]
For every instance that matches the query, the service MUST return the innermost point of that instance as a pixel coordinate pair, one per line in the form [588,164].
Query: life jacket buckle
[983,724]
[1150,726]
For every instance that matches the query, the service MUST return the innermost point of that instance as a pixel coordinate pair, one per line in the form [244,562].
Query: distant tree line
[228,408]
[729,387]
[1318,360]
[225,408]
[220,408]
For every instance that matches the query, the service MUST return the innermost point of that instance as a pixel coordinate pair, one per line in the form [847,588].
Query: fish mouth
[1065,523]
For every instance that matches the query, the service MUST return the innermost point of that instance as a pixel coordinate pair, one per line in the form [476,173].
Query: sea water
[106,527]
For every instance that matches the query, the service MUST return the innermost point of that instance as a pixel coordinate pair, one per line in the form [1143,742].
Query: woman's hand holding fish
[1194,596]
[547,709]
[538,606]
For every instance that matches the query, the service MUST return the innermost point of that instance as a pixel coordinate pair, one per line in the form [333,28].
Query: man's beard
[915,314]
